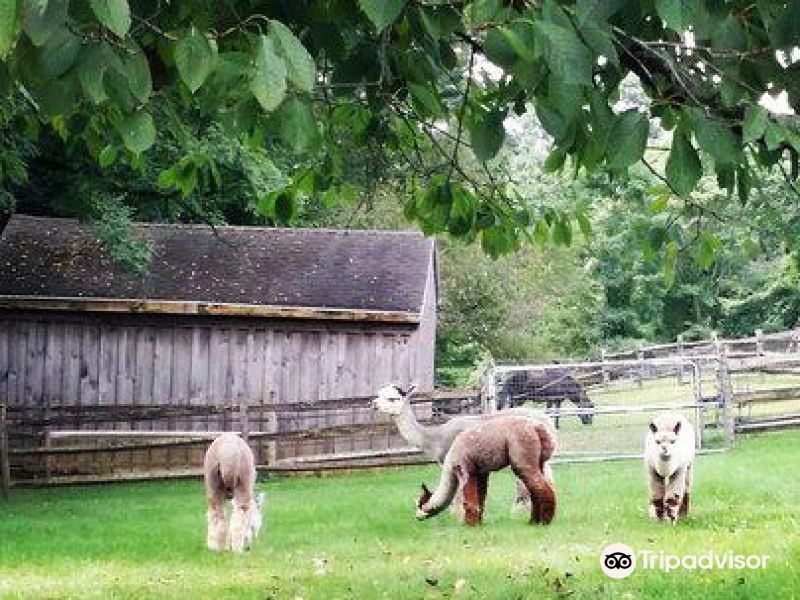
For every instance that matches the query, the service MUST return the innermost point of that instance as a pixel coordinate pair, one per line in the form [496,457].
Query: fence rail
[729,387]
[73,444]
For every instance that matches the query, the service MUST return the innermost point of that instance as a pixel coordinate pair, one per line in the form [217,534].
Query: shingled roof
[60,263]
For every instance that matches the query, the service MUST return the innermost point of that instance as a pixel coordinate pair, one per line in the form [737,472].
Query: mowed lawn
[355,536]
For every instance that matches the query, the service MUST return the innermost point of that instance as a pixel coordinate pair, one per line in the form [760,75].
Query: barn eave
[128,305]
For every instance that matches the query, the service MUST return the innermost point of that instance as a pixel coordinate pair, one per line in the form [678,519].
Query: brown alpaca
[230,473]
[513,441]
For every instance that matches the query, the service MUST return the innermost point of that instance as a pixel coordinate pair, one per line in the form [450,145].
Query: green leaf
[59,53]
[137,70]
[678,14]
[92,67]
[707,250]
[107,156]
[9,12]
[300,67]
[504,47]
[487,134]
[627,139]
[658,203]
[562,232]
[426,100]
[268,84]
[555,160]
[683,168]
[284,207]
[670,262]
[567,56]
[773,135]
[541,232]
[195,56]
[114,14]
[382,13]
[138,132]
[42,18]
[755,121]
[297,126]
[716,138]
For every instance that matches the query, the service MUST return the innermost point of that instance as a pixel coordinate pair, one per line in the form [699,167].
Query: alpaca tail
[547,443]
[442,496]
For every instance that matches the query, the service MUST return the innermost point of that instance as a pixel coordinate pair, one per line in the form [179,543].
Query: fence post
[490,387]
[5,466]
[725,388]
[760,342]
[679,348]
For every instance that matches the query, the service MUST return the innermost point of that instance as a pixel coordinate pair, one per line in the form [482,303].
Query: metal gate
[602,409]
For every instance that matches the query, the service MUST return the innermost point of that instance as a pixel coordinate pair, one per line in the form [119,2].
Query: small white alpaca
[669,450]
[230,473]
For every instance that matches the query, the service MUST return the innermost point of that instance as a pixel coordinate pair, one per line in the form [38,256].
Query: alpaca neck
[445,491]
[414,433]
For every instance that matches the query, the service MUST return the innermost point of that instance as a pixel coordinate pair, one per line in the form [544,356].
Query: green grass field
[354,536]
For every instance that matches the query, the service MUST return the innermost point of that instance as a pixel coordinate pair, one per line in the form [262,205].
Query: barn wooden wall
[57,362]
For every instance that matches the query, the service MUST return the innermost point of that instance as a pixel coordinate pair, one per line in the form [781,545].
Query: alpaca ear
[677,427]
[653,427]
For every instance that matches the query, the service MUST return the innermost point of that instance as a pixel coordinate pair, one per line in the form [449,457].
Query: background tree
[407,85]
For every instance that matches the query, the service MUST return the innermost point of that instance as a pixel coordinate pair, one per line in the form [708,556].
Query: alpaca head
[421,501]
[664,438]
[392,399]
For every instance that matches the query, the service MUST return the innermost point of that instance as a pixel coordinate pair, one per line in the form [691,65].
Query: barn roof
[60,264]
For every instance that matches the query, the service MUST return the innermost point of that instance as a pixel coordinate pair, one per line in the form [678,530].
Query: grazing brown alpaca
[513,441]
[230,473]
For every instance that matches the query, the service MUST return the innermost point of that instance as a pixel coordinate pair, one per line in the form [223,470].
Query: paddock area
[355,536]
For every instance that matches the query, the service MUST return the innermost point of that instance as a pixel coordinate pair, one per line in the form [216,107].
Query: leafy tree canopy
[320,92]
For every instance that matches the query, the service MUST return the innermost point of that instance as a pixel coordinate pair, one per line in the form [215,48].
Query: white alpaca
[669,450]
[229,472]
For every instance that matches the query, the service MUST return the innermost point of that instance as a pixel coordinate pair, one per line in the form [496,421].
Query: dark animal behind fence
[548,387]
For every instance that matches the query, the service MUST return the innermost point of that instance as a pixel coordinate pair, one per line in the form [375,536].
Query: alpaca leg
[684,509]
[657,489]
[457,507]
[673,495]
[238,527]
[471,501]
[542,493]
[217,530]
[523,498]
[483,487]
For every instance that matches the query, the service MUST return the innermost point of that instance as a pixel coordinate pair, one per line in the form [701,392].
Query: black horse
[549,387]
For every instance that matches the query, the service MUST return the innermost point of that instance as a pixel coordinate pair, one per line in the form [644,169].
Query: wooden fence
[759,344]
[5,465]
[73,444]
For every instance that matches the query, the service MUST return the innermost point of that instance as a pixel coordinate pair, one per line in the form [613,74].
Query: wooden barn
[281,333]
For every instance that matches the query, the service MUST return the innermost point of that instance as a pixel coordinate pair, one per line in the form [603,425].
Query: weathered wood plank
[201,365]
[5,461]
[5,364]
[70,366]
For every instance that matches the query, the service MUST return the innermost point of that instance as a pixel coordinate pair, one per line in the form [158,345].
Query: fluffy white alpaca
[669,450]
[229,472]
